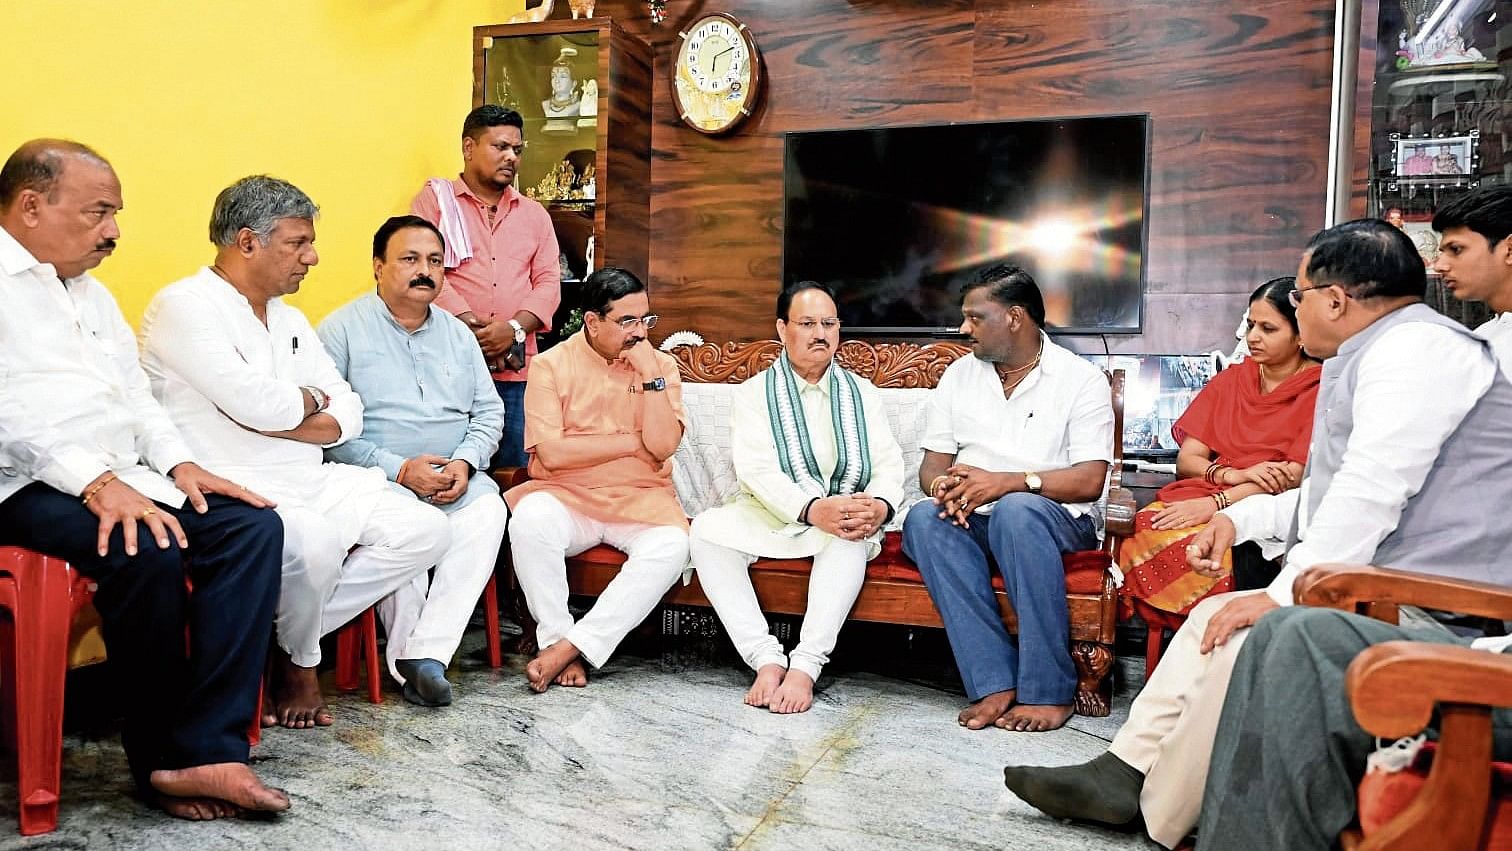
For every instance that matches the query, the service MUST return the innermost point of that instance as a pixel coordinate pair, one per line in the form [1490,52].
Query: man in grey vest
[1413,414]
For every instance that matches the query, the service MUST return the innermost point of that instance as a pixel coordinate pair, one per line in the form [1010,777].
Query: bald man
[94,473]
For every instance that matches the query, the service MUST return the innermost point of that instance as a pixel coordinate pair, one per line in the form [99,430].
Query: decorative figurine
[584,7]
[533,16]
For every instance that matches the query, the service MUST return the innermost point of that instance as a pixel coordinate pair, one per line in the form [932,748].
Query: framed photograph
[1426,157]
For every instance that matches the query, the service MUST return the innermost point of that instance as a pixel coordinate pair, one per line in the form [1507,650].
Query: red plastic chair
[357,646]
[41,595]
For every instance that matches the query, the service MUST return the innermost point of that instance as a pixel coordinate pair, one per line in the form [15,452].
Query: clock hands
[714,66]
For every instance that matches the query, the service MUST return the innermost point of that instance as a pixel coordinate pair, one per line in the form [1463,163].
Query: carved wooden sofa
[894,591]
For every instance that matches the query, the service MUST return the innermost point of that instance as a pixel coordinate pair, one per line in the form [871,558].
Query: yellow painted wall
[357,102]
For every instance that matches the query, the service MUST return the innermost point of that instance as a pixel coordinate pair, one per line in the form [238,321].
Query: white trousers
[425,619]
[324,587]
[1172,724]
[543,533]
[839,569]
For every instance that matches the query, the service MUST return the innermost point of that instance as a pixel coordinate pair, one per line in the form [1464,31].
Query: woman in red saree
[1247,432]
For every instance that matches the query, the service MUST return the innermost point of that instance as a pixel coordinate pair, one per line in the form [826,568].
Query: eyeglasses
[649,321]
[1295,296]
[830,324]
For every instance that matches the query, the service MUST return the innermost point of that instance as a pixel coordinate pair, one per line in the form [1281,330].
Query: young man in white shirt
[1412,410]
[1475,258]
[246,380]
[90,465]
[1016,457]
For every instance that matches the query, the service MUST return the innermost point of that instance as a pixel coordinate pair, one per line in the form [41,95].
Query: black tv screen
[898,219]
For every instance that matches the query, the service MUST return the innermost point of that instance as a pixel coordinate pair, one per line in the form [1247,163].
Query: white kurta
[769,502]
[223,377]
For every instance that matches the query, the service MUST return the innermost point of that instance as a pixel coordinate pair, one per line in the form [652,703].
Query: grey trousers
[1289,754]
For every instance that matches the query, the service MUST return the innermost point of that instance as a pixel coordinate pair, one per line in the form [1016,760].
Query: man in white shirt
[246,380]
[1016,457]
[1413,413]
[820,475]
[87,459]
[1307,775]
[1475,258]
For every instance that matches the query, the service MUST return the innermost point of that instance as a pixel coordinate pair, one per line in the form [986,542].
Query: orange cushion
[1383,796]
[1084,570]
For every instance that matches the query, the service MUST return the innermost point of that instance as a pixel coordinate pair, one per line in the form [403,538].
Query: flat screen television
[897,219]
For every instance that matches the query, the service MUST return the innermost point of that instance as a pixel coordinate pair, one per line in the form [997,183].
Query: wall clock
[716,78]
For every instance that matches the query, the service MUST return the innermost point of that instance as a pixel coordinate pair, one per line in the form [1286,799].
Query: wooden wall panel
[1238,94]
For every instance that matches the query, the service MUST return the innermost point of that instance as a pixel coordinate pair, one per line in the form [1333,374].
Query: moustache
[633,342]
[423,281]
[106,245]
[819,344]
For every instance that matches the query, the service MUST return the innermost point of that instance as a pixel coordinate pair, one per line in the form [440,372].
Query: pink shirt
[514,265]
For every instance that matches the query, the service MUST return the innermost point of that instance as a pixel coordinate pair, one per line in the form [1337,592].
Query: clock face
[717,74]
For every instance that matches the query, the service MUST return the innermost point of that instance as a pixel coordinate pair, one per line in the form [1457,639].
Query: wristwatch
[1033,482]
[518,329]
[321,399]
[651,386]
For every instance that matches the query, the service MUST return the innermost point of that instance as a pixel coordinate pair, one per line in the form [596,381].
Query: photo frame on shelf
[1452,159]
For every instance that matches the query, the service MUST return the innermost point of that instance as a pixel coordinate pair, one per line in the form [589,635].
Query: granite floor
[657,753]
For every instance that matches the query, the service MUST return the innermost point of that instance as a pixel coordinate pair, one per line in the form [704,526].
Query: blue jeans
[1025,534]
[512,446]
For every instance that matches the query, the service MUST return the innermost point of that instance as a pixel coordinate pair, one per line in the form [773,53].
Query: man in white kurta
[247,382]
[787,509]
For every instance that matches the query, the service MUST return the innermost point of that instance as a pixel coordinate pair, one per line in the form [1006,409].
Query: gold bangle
[90,494]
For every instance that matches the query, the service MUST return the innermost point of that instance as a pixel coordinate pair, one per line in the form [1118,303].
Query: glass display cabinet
[1431,115]
[584,91]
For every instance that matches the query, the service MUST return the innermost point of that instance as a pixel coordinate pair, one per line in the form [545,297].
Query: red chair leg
[347,649]
[254,735]
[491,622]
[369,623]
[1154,639]
[42,616]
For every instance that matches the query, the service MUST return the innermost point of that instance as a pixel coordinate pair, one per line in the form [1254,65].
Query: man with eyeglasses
[1413,415]
[603,414]
[820,475]
[503,277]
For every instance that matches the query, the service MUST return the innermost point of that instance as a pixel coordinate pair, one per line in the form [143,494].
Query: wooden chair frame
[1395,688]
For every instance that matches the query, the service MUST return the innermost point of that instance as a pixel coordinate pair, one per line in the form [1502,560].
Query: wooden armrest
[1118,517]
[509,477]
[1350,586]
[1395,686]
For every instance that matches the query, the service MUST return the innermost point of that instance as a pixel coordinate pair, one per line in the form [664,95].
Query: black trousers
[189,704]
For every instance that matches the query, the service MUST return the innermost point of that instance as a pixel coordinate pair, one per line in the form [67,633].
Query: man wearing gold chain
[1016,456]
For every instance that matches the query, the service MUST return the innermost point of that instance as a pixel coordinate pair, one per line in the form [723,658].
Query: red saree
[1243,427]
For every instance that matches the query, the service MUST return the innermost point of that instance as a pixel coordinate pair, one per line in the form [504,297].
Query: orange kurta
[572,390]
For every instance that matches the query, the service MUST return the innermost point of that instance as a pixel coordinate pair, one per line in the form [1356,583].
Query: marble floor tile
[658,753]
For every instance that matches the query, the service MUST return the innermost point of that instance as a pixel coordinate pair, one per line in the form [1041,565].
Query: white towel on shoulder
[458,248]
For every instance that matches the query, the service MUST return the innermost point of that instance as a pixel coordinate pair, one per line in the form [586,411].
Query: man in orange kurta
[603,414]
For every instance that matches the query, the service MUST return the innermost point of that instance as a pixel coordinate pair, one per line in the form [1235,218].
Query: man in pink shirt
[509,286]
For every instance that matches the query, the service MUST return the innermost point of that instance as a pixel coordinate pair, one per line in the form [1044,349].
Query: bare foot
[1030,718]
[768,678]
[575,675]
[985,712]
[232,782]
[796,693]
[297,703]
[550,663]
[196,809]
